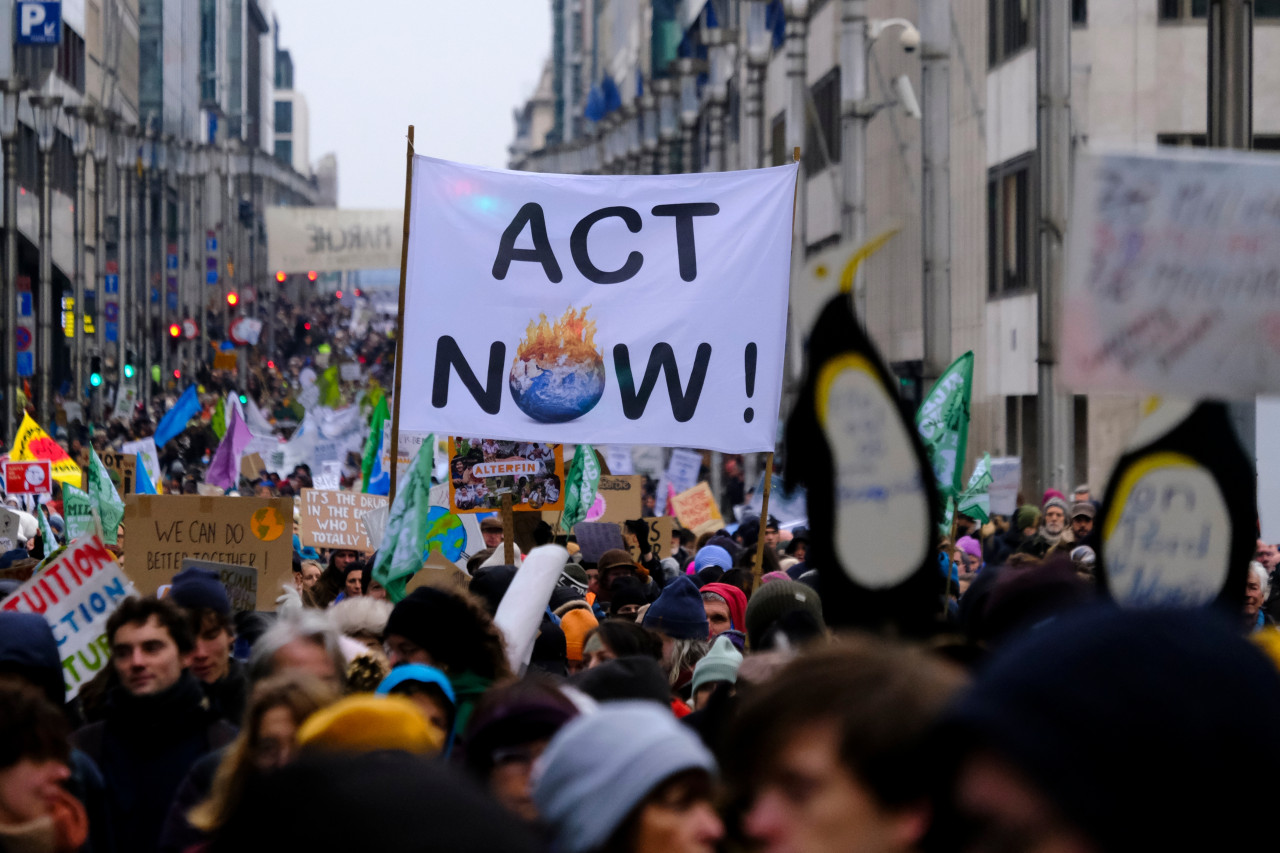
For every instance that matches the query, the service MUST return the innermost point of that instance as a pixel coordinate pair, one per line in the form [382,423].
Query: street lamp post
[101,148]
[10,94]
[758,43]
[668,125]
[649,132]
[160,249]
[80,130]
[126,158]
[688,70]
[720,50]
[46,110]
[146,331]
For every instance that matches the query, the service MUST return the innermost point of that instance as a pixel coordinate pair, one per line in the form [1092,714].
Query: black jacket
[227,695]
[145,747]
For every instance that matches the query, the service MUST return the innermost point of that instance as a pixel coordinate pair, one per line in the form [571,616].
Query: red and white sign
[28,478]
[244,331]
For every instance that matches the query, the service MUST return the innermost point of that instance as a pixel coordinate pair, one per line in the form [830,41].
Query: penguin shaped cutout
[873,505]
[1178,529]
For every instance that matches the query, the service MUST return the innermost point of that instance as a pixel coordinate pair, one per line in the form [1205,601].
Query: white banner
[324,239]
[598,310]
[1173,275]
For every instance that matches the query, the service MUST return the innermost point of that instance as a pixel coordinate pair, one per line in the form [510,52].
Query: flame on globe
[558,374]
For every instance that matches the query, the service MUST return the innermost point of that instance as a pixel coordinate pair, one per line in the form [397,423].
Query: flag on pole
[32,443]
[47,536]
[219,422]
[405,540]
[373,444]
[224,468]
[975,500]
[104,498]
[77,513]
[142,484]
[943,424]
[175,420]
[582,483]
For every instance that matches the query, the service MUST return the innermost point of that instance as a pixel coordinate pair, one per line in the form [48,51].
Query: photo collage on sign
[481,470]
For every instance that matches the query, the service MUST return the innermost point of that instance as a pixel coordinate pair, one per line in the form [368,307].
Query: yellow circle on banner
[267,524]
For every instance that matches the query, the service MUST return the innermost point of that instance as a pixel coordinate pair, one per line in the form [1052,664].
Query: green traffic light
[95,379]
[129,371]
[244,401]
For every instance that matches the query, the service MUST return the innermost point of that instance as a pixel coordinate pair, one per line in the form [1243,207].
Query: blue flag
[379,480]
[175,420]
[142,484]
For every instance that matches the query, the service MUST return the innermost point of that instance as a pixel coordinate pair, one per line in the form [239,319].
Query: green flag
[77,512]
[581,484]
[104,498]
[219,422]
[373,444]
[975,500]
[405,540]
[47,536]
[330,392]
[943,424]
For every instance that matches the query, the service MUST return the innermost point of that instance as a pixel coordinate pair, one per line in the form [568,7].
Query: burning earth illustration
[558,374]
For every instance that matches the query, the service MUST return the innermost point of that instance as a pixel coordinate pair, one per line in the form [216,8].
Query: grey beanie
[643,745]
[719,664]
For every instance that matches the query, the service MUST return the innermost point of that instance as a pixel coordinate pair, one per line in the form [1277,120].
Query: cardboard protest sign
[1172,275]
[658,542]
[1006,480]
[599,280]
[76,594]
[9,524]
[596,537]
[122,468]
[28,478]
[241,582]
[618,499]
[331,519]
[681,474]
[696,508]
[1179,529]
[252,466]
[349,371]
[164,530]
[481,469]
[126,399]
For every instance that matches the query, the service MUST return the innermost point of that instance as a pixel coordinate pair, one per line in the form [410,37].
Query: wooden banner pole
[508,531]
[394,450]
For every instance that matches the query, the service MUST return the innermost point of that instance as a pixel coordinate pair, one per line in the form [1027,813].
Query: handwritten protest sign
[681,474]
[167,529]
[1006,480]
[122,468]
[658,542]
[600,281]
[618,499]
[1173,275]
[331,519]
[241,582]
[596,537]
[76,593]
[481,469]
[696,508]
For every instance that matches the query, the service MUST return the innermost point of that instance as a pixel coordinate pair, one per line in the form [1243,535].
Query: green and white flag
[104,498]
[405,540]
[77,513]
[47,536]
[975,500]
[943,424]
[583,481]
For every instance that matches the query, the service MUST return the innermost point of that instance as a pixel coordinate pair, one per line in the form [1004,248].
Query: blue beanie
[678,612]
[420,673]
[626,750]
[196,589]
[712,555]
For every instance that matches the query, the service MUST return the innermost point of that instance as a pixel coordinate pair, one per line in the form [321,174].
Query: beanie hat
[970,546]
[1059,503]
[1026,516]
[574,575]
[1050,494]
[627,591]
[511,718]
[490,584]
[576,624]
[633,677]
[712,555]
[198,589]
[420,673]
[613,558]
[774,600]
[627,749]
[365,723]
[439,622]
[719,664]
[770,577]
[735,598]
[1119,717]
[678,612]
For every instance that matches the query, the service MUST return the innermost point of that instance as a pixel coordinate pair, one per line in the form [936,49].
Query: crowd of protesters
[672,703]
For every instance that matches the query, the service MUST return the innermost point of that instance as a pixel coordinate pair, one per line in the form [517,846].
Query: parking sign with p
[39,21]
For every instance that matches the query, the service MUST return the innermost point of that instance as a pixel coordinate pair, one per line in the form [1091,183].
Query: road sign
[171,262]
[111,283]
[24,304]
[26,364]
[111,312]
[211,277]
[113,331]
[28,478]
[39,21]
[22,338]
[211,244]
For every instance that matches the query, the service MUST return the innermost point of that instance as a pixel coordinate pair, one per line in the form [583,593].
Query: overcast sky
[454,70]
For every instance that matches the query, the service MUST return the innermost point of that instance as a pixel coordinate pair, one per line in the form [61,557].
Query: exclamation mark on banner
[749,359]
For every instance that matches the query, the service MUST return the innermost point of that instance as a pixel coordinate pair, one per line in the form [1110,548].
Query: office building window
[1177,10]
[284,150]
[1008,29]
[284,116]
[1009,218]
[826,105]
[1079,12]
[1261,141]
[778,153]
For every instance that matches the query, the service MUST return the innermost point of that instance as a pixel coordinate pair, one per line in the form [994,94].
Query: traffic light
[271,365]
[306,326]
[95,372]
[233,299]
[244,401]
[311,275]
[175,330]
[337,294]
[129,371]
[280,276]
[177,374]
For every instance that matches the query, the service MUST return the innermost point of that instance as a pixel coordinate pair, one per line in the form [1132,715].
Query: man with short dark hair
[1082,514]
[200,592]
[157,723]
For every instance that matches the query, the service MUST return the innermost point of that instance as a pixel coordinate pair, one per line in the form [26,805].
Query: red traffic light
[233,299]
[271,365]
[358,293]
[311,275]
[280,276]
[306,326]
[175,330]
[337,294]
[177,374]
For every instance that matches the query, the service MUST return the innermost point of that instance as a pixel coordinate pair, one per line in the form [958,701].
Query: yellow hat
[366,723]
[576,624]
